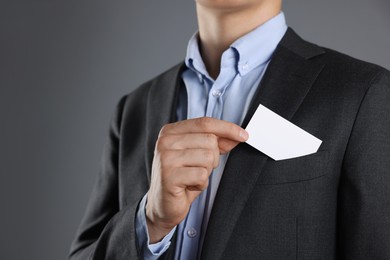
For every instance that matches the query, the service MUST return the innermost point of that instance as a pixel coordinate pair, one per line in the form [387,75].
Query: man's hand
[186,152]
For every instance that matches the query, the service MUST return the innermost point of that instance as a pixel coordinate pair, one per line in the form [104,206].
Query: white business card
[279,138]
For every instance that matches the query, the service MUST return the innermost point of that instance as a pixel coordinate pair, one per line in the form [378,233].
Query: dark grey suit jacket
[334,204]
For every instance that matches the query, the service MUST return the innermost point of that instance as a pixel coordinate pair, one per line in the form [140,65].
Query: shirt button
[200,77]
[192,232]
[217,93]
[245,66]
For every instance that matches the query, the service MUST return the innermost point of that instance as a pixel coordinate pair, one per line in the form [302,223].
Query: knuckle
[203,179]
[216,160]
[159,144]
[203,175]
[164,129]
[208,156]
[212,140]
[166,159]
[162,142]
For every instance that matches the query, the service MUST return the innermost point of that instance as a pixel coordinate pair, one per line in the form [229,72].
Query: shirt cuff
[149,251]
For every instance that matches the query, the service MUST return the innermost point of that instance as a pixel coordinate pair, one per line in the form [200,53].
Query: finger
[187,141]
[207,125]
[189,158]
[191,141]
[192,178]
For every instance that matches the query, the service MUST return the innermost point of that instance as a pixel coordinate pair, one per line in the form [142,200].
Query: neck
[218,29]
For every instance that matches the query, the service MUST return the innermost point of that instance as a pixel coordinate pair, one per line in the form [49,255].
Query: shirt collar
[193,59]
[252,50]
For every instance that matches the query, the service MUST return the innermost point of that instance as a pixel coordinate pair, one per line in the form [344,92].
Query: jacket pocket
[302,168]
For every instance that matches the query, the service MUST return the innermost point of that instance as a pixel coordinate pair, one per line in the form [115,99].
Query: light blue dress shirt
[228,97]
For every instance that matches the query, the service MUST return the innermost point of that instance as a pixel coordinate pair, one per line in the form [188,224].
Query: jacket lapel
[284,86]
[161,108]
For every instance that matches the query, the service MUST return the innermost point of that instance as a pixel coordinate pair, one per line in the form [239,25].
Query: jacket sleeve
[106,231]
[364,191]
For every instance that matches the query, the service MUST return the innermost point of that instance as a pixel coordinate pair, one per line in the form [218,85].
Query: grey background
[65,64]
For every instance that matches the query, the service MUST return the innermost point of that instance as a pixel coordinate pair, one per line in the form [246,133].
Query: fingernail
[244,135]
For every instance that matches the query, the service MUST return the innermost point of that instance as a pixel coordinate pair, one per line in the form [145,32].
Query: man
[195,190]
